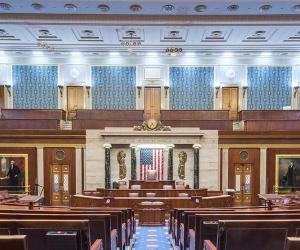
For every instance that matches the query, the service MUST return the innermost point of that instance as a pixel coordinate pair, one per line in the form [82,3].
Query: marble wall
[182,138]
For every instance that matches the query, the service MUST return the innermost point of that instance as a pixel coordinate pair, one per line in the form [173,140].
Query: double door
[230,101]
[75,99]
[60,185]
[152,103]
[243,184]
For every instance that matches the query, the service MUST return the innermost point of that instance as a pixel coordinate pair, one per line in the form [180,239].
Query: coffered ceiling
[133,27]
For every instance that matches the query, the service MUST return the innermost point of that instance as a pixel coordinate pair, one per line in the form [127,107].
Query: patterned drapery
[35,87]
[113,87]
[269,87]
[191,88]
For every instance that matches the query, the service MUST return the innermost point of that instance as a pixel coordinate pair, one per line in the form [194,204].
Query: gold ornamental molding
[148,19]
[227,146]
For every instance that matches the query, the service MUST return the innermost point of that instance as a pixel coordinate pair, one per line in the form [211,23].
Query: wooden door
[2,101]
[152,104]
[243,184]
[230,101]
[60,185]
[75,100]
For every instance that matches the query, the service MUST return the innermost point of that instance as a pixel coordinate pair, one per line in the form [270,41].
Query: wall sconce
[8,88]
[166,91]
[217,91]
[296,88]
[244,90]
[139,88]
[88,90]
[61,89]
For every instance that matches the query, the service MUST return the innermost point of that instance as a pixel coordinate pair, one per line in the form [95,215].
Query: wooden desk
[152,213]
[151,184]
[143,192]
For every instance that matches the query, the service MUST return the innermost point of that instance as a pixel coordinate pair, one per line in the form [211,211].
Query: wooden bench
[206,227]
[36,231]
[99,224]
[122,219]
[13,242]
[255,234]
[292,243]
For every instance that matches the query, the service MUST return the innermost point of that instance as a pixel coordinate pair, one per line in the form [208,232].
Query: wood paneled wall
[271,163]
[49,158]
[254,158]
[32,163]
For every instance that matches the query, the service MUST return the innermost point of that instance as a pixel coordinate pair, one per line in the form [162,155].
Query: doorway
[75,100]
[152,103]
[230,100]
[60,184]
[243,184]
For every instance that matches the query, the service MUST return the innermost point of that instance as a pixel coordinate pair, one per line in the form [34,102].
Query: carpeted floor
[148,238]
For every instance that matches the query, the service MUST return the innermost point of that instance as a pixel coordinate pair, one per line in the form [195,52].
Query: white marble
[263,170]
[182,138]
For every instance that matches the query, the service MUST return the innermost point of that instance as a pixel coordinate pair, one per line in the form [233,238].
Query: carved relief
[181,168]
[122,166]
[152,125]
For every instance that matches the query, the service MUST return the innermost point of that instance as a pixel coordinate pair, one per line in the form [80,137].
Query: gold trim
[276,186]
[227,146]
[26,166]
[41,145]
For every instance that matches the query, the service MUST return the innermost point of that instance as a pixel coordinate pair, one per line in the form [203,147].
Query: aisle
[148,238]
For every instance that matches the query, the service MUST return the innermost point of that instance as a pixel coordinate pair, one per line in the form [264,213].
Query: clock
[152,123]
[244,155]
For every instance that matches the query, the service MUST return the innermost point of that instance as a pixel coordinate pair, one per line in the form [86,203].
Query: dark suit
[13,174]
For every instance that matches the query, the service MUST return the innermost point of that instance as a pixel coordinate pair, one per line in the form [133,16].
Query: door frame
[67,95]
[254,159]
[238,96]
[144,94]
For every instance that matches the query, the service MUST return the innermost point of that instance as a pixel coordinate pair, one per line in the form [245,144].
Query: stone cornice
[150,19]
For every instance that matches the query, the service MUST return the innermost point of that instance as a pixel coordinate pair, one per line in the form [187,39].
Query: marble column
[107,166]
[170,162]
[133,162]
[225,168]
[78,170]
[40,169]
[263,170]
[196,165]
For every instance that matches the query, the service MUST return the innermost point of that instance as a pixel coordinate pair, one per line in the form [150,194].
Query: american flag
[152,158]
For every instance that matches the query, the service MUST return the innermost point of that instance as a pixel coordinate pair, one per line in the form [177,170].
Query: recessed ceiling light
[135,8]
[228,53]
[114,53]
[5,6]
[265,7]
[152,54]
[233,7]
[37,53]
[76,53]
[70,7]
[267,53]
[168,8]
[103,7]
[37,6]
[297,7]
[200,8]
[190,54]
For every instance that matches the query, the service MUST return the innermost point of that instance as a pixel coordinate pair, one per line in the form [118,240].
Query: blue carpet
[152,238]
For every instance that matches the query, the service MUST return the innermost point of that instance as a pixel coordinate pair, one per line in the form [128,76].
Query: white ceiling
[248,30]
[153,7]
